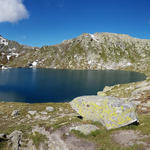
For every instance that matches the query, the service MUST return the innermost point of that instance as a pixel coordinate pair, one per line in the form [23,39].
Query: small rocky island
[81,124]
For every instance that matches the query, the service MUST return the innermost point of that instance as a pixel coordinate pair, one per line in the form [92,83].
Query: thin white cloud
[12,11]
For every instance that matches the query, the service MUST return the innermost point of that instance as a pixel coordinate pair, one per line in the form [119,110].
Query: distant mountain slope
[9,50]
[91,51]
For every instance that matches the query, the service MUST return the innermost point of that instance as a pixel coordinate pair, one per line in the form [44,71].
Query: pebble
[144,109]
[32,112]
[60,109]
[15,113]
[43,113]
[49,108]
[28,116]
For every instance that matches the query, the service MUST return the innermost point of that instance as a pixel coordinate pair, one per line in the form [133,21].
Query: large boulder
[112,112]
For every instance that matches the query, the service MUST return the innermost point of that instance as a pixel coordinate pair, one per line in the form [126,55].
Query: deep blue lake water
[50,85]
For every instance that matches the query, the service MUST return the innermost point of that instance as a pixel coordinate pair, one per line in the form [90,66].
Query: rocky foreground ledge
[56,126]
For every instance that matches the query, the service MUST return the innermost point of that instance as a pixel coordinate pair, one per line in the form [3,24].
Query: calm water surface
[50,85]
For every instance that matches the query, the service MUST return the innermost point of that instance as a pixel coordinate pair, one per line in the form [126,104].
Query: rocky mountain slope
[88,51]
[9,50]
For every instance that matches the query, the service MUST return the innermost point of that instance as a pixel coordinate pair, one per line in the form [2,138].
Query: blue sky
[49,22]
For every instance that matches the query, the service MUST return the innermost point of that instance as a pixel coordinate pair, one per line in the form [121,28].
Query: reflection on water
[50,85]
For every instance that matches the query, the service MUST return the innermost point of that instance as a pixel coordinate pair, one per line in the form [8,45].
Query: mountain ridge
[88,51]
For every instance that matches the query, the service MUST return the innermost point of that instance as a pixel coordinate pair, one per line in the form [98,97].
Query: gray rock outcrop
[15,113]
[3,137]
[85,129]
[15,139]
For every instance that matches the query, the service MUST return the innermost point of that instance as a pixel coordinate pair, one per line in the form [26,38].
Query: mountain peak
[105,34]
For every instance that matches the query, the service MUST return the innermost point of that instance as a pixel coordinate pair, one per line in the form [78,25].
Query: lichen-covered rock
[110,111]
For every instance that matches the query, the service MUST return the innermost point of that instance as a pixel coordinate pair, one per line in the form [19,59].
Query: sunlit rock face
[110,111]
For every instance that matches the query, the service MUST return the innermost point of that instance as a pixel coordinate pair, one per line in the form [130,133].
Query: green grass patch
[4,146]
[38,138]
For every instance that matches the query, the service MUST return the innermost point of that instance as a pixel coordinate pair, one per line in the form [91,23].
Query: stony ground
[55,126]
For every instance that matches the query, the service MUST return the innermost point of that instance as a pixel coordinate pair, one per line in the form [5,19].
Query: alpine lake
[56,85]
